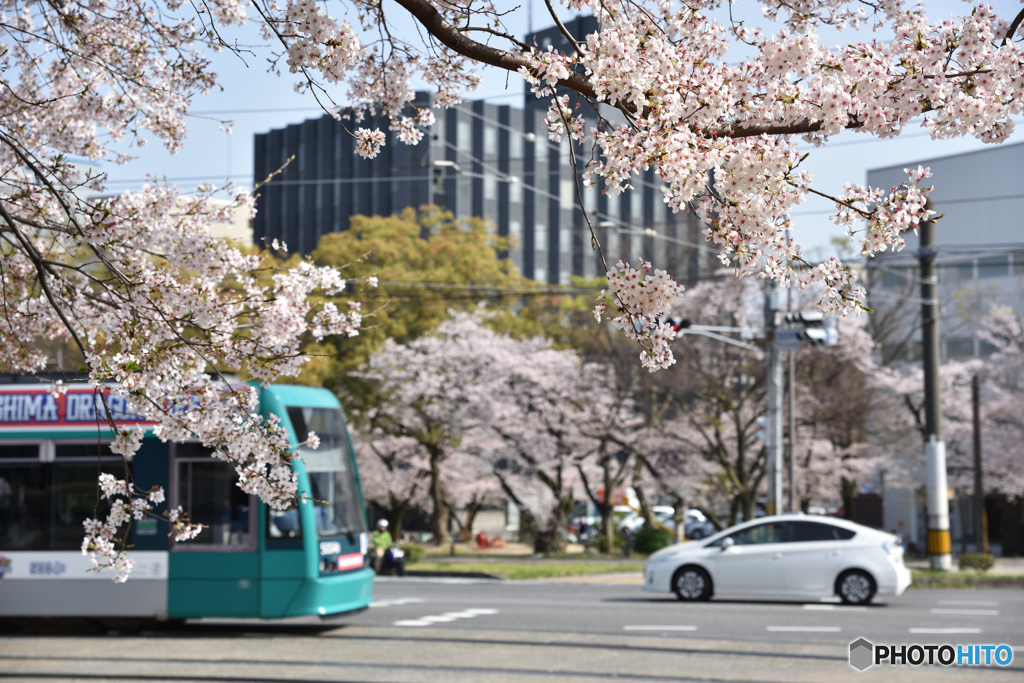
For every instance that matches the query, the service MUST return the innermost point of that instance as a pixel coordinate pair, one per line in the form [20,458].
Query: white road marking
[836,608]
[803,629]
[446,617]
[941,631]
[396,602]
[971,603]
[659,628]
[967,612]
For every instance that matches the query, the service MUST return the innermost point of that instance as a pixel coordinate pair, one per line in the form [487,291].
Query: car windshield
[331,476]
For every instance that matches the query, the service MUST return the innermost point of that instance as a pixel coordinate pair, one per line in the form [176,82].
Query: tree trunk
[439,513]
[552,539]
[473,507]
[848,489]
[679,517]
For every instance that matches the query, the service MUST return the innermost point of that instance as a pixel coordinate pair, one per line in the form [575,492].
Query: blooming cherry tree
[153,303]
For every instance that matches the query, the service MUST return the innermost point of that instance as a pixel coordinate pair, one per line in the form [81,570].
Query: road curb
[447,574]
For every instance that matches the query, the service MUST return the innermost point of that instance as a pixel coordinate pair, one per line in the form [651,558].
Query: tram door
[218,572]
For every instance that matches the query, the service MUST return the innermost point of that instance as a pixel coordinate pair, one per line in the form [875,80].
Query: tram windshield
[331,476]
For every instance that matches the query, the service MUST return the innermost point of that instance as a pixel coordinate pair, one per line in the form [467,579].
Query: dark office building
[479,159]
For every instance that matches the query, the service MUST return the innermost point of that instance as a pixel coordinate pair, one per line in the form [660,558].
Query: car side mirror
[727,543]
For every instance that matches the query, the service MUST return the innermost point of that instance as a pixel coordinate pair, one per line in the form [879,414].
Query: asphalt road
[480,630]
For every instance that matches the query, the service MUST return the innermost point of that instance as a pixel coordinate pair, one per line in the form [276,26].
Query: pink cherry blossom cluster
[561,122]
[321,42]
[889,215]
[369,142]
[101,543]
[642,299]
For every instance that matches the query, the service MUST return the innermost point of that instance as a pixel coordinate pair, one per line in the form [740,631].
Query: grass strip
[927,578]
[529,570]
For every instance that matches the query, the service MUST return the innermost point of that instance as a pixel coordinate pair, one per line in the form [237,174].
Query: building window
[465,137]
[1018,264]
[996,266]
[490,141]
[515,228]
[490,187]
[563,152]
[963,272]
[959,348]
[566,194]
[590,200]
[515,193]
[515,146]
[613,206]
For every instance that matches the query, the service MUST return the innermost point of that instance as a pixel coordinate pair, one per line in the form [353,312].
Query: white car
[787,555]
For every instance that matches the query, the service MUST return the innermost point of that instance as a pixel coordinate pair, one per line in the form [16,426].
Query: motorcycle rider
[380,543]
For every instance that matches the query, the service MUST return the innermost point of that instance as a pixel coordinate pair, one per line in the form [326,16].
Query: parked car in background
[697,526]
[789,555]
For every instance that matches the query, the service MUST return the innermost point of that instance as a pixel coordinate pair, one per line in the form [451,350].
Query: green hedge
[651,540]
[980,561]
[413,553]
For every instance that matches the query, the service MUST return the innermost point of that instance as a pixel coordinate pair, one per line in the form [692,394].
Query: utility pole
[773,426]
[939,547]
[791,444]
[980,535]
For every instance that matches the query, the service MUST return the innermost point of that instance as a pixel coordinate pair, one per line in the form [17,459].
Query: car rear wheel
[855,587]
[691,584]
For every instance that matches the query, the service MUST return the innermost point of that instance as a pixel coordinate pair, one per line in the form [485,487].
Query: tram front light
[323,566]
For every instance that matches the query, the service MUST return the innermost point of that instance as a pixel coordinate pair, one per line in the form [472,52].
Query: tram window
[283,523]
[73,498]
[85,450]
[22,502]
[338,510]
[25,451]
[42,505]
[208,491]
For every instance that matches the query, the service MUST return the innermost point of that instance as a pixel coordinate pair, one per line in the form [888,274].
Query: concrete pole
[790,414]
[773,428]
[938,544]
[980,537]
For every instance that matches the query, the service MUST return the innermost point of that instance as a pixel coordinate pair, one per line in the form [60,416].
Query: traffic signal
[679,323]
[815,327]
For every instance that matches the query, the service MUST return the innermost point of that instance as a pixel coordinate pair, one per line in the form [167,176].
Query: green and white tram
[249,560]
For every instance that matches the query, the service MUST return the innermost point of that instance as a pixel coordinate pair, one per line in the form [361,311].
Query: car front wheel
[855,587]
[691,584]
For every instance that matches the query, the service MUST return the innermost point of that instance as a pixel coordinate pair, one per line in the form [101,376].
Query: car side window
[804,532]
[771,532]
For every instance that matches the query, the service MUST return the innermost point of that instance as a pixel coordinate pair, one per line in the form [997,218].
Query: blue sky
[257,102]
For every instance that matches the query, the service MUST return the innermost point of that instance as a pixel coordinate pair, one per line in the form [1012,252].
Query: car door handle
[776,556]
[833,553]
